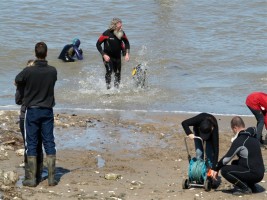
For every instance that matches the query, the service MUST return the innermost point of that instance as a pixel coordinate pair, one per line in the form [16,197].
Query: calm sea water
[201,55]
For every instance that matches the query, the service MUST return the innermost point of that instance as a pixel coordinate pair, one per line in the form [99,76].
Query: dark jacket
[214,136]
[38,82]
[112,45]
[247,149]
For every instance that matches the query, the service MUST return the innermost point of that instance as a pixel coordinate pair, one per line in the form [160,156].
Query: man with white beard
[115,42]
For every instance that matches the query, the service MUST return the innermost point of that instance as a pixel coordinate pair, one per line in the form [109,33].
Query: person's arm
[215,144]
[99,42]
[234,149]
[127,46]
[78,53]
[19,94]
[19,79]
[232,152]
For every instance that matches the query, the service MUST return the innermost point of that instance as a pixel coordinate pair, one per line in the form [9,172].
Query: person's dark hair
[206,126]
[237,121]
[40,50]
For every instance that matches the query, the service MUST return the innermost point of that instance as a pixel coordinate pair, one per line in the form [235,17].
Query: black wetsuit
[214,136]
[248,169]
[112,47]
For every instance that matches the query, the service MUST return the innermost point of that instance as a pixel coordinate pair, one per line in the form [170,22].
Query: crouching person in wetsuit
[115,43]
[39,81]
[206,127]
[248,169]
[70,51]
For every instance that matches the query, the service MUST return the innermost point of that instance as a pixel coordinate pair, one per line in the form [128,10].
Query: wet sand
[146,152]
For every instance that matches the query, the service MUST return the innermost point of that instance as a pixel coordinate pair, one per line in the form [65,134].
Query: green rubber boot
[30,172]
[26,168]
[39,169]
[51,165]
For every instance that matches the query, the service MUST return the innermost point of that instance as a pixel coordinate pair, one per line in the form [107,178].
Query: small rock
[112,176]
[20,152]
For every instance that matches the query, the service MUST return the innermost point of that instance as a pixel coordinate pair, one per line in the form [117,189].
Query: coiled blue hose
[197,170]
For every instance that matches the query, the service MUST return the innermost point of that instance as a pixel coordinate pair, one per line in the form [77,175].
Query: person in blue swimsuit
[70,51]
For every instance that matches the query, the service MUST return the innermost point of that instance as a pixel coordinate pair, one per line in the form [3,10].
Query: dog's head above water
[139,75]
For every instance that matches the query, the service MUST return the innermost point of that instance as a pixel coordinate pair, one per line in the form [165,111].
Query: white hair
[113,23]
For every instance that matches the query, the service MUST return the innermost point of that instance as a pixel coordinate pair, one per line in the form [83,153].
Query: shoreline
[106,110]
[145,150]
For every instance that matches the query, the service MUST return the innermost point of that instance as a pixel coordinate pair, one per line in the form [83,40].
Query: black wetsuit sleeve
[215,145]
[126,42]
[194,121]
[102,38]
[234,149]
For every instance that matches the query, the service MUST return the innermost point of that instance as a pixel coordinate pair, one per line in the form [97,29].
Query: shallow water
[100,137]
[201,56]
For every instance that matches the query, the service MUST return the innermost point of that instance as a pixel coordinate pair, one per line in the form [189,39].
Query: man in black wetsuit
[248,169]
[115,41]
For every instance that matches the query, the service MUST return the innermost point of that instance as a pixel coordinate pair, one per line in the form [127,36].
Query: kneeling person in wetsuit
[248,169]
[70,51]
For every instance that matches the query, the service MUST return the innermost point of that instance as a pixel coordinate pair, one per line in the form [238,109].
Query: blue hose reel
[197,172]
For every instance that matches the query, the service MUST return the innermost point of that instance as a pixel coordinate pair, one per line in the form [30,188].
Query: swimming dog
[139,76]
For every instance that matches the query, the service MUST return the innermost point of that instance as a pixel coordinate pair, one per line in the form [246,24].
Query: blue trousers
[39,121]
[200,149]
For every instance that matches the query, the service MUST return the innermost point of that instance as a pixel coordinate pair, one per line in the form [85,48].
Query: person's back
[249,153]
[257,100]
[39,88]
[64,54]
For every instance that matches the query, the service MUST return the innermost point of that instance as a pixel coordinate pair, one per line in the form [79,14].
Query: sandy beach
[116,155]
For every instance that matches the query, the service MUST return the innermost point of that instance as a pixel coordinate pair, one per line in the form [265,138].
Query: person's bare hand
[214,174]
[127,57]
[191,136]
[106,57]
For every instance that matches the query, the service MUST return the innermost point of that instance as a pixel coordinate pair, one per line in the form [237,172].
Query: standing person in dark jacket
[115,41]
[257,103]
[248,169]
[39,82]
[205,126]
[70,51]
[19,100]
